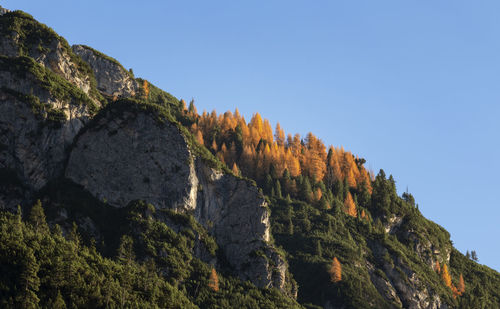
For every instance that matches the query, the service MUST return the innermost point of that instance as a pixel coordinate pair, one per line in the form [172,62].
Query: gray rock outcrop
[3,11]
[30,145]
[112,78]
[52,52]
[131,156]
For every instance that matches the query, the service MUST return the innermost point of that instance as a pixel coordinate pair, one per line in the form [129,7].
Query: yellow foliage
[213,282]
[335,271]
[349,206]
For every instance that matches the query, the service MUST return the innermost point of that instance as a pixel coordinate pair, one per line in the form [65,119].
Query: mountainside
[129,198]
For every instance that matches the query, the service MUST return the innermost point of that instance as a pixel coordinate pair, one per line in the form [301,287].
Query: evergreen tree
[474,256]
[37,218]
[318,249]
[126,250]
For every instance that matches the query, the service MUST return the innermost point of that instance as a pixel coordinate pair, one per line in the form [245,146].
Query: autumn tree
[446,276]
[199,137]
[235,169]
[437,267]
[279,135]
[335,271]
[213,282]
[349,206]
[145,85]
[461,285]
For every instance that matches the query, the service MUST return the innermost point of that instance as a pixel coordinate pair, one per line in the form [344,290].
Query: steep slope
[129,154]
[115,155]
[47,135]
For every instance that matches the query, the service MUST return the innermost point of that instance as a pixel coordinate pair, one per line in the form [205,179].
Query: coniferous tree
[461,284]
[37,218]
[349,206]
[335,271]
[213,282]
[473,255]
[126,250]
[446,276]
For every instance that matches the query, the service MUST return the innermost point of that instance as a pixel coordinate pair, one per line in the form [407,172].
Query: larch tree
[145,85]
[461,285]
[279,135]
[446,276]
[235,169]
[335,271]
[349,206]
[199,137]
[437,267]
[213,282]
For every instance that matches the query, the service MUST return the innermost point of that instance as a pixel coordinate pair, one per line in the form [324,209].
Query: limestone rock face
[3,11]
[52,51]
[31,147]
[400,284]
[112,79]
[131,156]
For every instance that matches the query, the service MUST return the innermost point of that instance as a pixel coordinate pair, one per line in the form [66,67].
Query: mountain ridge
[392,248]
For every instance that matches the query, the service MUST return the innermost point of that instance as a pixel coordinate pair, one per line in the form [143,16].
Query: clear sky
[412,86]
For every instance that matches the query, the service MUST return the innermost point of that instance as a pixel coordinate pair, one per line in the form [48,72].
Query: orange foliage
[446,276]
[213,282]
[437,267]
[363,215]
[199,137]
[235,169]
[145,85]
[349,206]
[461,285]
[317,194]
[335,271]
[260,150]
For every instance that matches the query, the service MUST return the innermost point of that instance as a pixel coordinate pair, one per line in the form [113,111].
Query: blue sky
[412,86]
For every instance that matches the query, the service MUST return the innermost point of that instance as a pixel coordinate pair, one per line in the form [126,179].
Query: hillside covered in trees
[116,194]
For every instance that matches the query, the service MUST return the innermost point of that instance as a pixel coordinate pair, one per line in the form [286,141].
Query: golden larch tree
[461,285]
[213,282]
[446,276]
[279,135]
[335,271]
[349,206]
[199,137]
[145,85]
[437,267]
[235,169]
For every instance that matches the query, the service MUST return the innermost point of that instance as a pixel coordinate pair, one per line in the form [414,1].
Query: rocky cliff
[112,78]
[74,118]
[124,154]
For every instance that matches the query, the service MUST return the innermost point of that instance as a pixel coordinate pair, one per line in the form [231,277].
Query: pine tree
[474,256]
[58,303]
[37,218]
[213,282]
[335,271]
[126,250]
[319,250]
